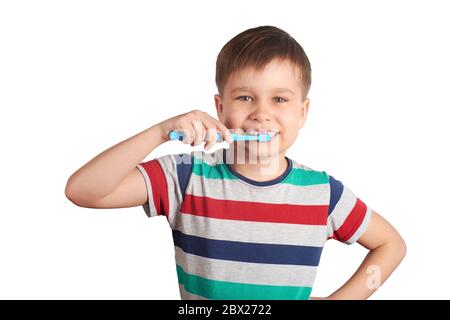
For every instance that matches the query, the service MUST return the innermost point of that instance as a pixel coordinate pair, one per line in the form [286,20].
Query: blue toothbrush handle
[179,135]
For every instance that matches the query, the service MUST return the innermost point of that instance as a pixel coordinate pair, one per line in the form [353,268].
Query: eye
[240,98]
[282,99]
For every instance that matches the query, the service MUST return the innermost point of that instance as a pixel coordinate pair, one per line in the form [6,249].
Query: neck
[258,168]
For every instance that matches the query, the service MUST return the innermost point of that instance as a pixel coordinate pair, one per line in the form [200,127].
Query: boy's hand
[197,126]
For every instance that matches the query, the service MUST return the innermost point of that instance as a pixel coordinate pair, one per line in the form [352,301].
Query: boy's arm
[387,250]
[111,179]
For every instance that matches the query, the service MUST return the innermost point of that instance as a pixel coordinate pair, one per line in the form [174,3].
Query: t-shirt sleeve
[165,178]
[348,216]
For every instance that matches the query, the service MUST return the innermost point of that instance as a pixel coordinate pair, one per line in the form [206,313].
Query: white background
[77,77]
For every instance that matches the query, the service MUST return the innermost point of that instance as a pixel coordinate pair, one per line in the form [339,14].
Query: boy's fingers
[210,137]
[204,128]
[226,134]
[199,132]
[188,133]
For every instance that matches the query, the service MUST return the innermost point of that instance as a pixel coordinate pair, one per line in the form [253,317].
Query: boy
[247,222]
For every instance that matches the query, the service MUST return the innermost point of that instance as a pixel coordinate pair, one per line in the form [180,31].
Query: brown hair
[257,47]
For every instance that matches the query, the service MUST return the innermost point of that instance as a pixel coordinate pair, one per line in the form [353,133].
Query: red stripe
[159,186]
[352,222]
[254,211]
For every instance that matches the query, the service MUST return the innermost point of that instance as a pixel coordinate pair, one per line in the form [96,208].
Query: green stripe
[222,290]
[302,177]
[297,177]
[218,171]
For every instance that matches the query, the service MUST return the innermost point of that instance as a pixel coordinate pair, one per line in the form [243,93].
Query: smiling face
[269,99]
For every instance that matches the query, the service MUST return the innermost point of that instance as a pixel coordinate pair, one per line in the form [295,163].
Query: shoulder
[307,175]
[311,176]
[196,161]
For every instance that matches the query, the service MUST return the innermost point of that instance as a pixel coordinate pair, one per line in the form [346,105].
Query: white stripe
[278,194]
[149,207]
[362,228]
[168,165]
[251,231]
[212,159]
[344,206]
[245,272]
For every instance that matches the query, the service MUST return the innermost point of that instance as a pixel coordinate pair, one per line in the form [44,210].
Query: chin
[258,150]
[261,152]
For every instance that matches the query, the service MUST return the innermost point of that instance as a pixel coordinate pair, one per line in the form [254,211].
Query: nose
[261,113]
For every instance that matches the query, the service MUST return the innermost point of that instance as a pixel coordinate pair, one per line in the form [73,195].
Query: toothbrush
[178,135]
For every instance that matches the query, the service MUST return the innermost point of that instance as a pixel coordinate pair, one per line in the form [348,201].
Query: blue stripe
[247,252]
[336,189]
[184,169]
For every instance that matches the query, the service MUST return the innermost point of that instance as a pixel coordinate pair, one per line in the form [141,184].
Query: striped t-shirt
[237,238]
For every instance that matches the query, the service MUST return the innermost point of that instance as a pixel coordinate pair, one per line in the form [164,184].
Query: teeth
[272,133]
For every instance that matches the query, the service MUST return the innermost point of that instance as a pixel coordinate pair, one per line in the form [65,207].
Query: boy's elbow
[71,194]
[400,247]
[79,197]
[395,246]
[403,248]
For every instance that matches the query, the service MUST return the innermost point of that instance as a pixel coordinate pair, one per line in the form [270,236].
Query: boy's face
[270,99]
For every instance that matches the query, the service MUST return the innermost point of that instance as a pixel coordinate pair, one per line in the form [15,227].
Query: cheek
[232,124]
[290,129]
[289,136]
[234,119]
[290,123]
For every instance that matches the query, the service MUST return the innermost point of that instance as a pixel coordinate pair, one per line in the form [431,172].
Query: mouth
[271,132]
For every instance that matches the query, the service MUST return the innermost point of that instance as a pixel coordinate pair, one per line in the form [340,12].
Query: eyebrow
[275,89]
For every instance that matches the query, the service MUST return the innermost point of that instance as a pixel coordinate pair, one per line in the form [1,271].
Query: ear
[304,109]
[219,105]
